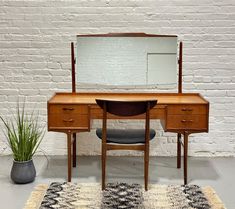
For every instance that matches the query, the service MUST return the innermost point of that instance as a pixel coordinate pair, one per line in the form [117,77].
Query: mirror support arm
[74,143]
[73,68]
[180,62]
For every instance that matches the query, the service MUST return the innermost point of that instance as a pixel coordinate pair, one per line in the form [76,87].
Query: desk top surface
[163,98]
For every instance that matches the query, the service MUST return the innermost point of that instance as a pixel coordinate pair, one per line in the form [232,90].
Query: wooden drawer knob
[187,109]
[186,121]
[68,108]
[69,120]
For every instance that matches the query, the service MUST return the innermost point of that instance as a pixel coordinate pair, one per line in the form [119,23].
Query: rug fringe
[213,198]
[36,197]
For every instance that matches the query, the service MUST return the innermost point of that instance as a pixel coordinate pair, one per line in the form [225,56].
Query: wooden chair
[127,139]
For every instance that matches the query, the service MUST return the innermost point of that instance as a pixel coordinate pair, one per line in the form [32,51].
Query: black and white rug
[122,196]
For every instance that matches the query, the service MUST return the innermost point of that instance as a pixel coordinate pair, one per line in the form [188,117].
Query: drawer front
[155,113]
[186,109]
[75,121]
[68,109]
[186,122]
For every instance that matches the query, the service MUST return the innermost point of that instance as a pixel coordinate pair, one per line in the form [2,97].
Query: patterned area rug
[122,196]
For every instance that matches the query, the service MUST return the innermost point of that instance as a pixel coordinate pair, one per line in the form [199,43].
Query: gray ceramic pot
[23,172]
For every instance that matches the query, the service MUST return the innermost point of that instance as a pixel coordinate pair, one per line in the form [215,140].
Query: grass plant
[23,134]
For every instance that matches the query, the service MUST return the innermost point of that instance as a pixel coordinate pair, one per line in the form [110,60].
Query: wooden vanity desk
[181,113]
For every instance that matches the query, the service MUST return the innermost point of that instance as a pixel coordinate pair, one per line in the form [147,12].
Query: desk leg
[178,150]
[74,150]
[186,157]
[69,143]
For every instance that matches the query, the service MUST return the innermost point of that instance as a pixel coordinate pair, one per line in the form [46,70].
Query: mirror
[126,61]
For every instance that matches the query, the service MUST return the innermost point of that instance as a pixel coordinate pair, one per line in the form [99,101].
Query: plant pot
[23,172]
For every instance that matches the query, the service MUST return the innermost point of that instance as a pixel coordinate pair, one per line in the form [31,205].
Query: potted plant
[23,136]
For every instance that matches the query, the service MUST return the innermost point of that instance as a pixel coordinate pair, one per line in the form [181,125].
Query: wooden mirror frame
[180,58]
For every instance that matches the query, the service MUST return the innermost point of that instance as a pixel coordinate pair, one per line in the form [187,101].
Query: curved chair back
[126,108]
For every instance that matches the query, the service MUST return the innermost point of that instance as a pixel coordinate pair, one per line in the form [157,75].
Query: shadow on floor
[121,168]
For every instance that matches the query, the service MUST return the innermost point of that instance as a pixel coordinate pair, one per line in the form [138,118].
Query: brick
[35,41]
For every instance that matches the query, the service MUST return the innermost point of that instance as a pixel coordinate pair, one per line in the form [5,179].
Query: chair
[128,139]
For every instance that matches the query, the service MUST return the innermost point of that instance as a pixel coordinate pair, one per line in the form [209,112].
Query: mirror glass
[126,61]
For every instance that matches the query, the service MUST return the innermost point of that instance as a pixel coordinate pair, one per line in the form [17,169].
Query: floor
[216,172]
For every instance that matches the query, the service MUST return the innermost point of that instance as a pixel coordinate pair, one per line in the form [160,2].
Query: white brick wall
[35,41]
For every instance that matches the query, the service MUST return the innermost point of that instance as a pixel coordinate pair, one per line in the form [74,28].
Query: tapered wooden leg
[186,158]
[146,167]
[103,166]
[74,150]
[178,150]
[69,155]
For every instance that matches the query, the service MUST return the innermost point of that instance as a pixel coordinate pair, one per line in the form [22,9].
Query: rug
[122,196]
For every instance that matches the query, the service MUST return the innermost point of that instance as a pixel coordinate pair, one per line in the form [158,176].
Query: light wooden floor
[216,172]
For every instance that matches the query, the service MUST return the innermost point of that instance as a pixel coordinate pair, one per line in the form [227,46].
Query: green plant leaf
[23,134]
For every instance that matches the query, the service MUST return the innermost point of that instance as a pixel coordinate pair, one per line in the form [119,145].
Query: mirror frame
[180,58]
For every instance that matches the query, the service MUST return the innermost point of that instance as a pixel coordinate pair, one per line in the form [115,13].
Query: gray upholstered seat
[129,136]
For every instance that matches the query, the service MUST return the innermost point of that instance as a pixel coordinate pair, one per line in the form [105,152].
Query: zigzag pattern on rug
[122,196]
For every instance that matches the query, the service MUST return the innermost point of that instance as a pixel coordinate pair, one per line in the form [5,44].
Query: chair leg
[103,166]
[146,167]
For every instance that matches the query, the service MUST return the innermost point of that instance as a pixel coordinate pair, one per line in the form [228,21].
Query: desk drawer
[155,113]
[65,109]
[189,122]
[75,121]
[186,109]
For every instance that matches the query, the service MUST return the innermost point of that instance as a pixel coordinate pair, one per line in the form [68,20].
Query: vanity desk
[181,113]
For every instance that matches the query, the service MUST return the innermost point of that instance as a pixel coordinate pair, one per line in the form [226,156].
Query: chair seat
[125,136]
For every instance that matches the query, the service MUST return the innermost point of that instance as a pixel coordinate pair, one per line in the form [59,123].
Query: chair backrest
[126,108]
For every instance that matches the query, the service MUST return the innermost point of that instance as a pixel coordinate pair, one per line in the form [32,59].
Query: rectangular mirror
[126,61]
